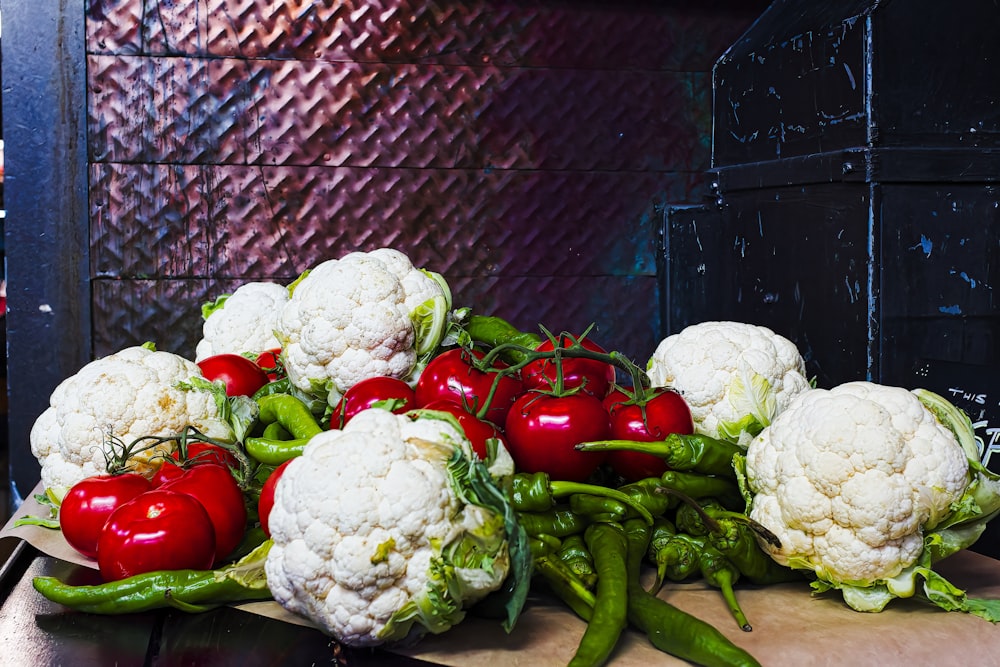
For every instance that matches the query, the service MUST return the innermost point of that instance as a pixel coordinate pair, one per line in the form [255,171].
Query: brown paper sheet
[790,626]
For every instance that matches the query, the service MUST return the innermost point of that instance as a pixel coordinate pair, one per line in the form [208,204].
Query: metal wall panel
[279,112]
[627,34]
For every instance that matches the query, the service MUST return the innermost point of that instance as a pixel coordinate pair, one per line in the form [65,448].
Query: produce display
[375,460]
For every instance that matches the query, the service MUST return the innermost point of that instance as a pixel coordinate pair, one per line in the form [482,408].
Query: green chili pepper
[737,539]
[291,415]
[699,485]
[676,558]
[536,492]
[670,629]
[290,412]
[696,452]
[662,529]
[188,590]
[275,431]
[495,331]
[607,544]
[566,585]
[660,533]
[557,522]
[275,452]
[644,492]
[697,518]
[279,386]
[576,556]
[598,508]
[719,572]
[543,545]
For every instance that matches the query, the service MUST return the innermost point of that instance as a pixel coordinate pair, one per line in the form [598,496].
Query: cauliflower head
[242,322]
[378,534]
[126,395]
[353,318]
[734,376]
[864,486]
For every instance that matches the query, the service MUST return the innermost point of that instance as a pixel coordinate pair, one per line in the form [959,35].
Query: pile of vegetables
[383,464]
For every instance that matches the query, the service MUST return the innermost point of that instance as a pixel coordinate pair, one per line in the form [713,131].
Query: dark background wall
[160,153]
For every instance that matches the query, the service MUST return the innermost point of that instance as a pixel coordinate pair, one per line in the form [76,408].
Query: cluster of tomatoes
[540,413]
[183,517]
[190,514]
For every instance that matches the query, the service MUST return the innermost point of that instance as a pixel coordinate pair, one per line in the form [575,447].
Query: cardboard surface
[790,626]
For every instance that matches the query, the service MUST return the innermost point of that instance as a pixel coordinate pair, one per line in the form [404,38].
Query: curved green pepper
[188,590]
[291,415]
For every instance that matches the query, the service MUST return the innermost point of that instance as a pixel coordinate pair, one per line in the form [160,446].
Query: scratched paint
[925,245]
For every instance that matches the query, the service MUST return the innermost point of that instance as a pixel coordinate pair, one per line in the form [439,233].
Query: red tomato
[665,412]
[451,376]
[266,501]
[270,362]
[242,376]
[477,430]
[197,453]
[157,530]
[390,393]
[215,488]
[90,502]
[543,430]
[596,377]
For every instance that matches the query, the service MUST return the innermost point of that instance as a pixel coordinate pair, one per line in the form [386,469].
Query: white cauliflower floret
[354,318]
[243,322]
[374,536]
[734,376]
[849,479]
[346,321]
[420,286]
[126,395]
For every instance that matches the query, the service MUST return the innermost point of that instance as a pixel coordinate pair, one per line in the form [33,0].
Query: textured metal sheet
[272,112]
[199,221]
[636,34]
[164,312]
[525,150]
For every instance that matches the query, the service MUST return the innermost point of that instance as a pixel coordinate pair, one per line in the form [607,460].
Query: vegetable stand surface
[789,626]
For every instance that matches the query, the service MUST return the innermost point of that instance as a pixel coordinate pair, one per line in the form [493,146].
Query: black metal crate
[856,207]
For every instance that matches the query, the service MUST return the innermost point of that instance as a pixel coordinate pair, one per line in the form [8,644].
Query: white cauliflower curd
[361,316]
[734,376]
[864,486]
[126,395]
[389,529]
[242,322]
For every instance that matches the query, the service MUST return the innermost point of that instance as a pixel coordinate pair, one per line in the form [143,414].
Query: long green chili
[191,591]
[696,452]
[670,629]
[607,545]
